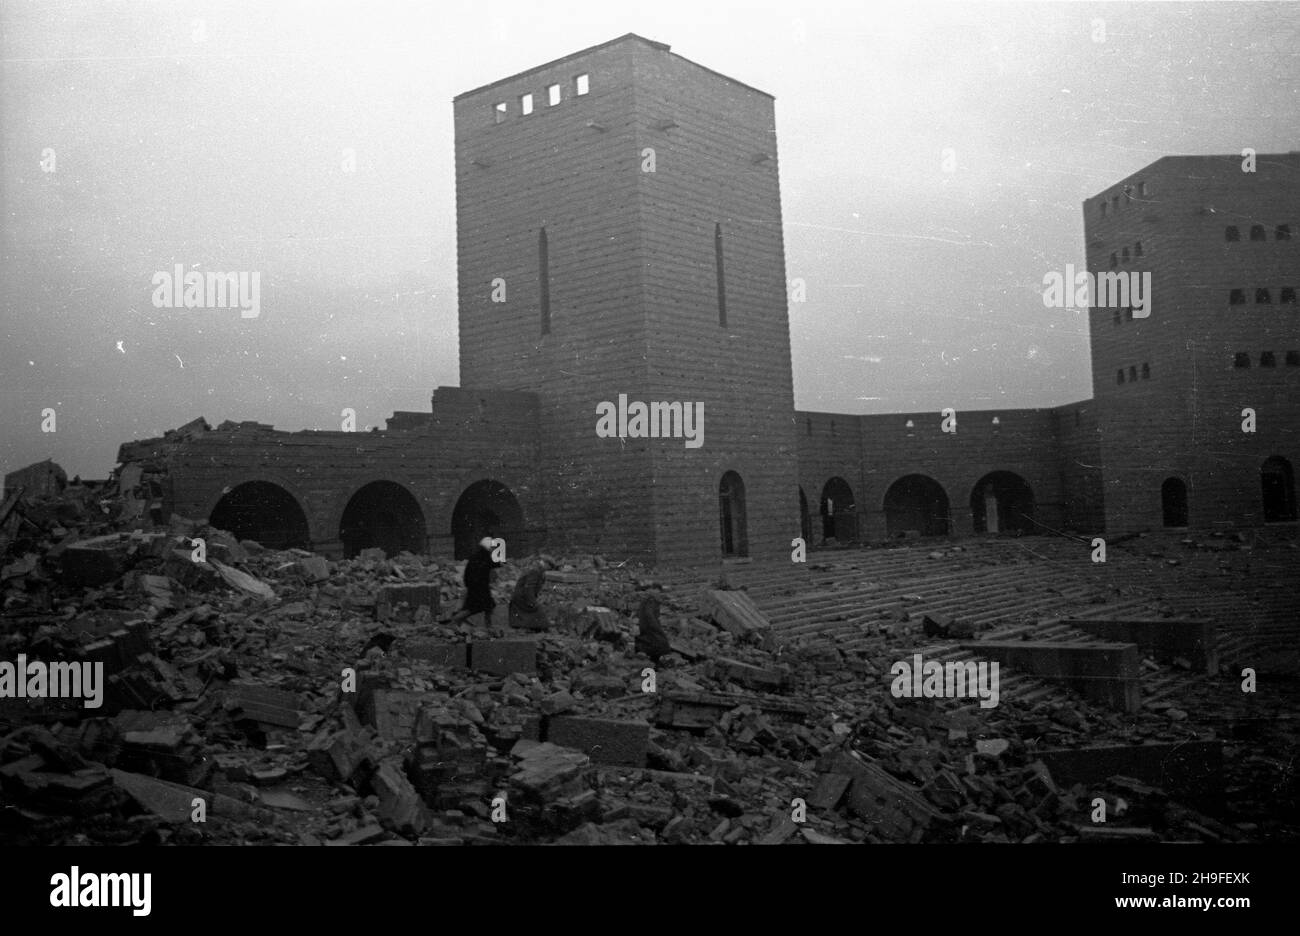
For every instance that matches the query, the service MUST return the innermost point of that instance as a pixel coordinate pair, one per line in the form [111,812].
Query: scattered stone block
[313,568]
[93,562]
[438,652]
[265,705]
[604,740]
[734,612]
[503,657]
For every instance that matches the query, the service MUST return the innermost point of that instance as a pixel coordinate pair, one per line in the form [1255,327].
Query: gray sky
[220,146]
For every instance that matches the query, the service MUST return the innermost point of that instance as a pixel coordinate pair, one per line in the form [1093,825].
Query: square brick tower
[619,234]
[1222,246]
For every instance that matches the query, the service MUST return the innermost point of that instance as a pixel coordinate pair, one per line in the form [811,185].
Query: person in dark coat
[524,609]
[651,639]
[478,584]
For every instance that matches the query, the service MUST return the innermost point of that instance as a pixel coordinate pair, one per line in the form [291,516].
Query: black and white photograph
[708,424]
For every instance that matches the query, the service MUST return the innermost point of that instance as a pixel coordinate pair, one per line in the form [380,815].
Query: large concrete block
[1106,673]
[503,657]
[438,652]
[604,740]
[94,562]
[1166,640]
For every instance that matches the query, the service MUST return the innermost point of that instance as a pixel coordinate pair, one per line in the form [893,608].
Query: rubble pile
[276,696]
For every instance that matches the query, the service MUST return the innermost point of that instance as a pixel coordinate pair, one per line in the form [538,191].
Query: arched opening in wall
[385,515]
[916,502]
[805,520]
[485,508]
[731,515]
[1277,482]
[839,511]
[1173,502]
[1002,502]
[263,512]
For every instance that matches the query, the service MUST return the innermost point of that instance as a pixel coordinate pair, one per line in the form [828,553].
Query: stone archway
[382,514]
[732,522]
[839,511]
[1173,502]
[1002,502]
[916,502]
[263,512]
[486,508]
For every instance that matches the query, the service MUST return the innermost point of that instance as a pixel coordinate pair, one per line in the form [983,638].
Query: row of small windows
[1286,296]
[1133,373]
[1123,255]
[554,95]
[1129,191]
[1266,359]
[1257,232]
[1115,258]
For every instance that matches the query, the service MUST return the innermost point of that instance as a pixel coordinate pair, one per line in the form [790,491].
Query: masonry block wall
[571,169]
[619,235]
[1182,423]
[1078,441]
[832,475]
[720,337]
[878,454]
[629,279]
[423,471]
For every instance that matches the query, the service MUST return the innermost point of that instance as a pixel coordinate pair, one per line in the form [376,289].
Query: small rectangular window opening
[722,280]
[581,84]
[553,95]
[525,104]
[499,111]
[544,280]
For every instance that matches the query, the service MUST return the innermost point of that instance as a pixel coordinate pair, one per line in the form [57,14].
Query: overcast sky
[213,135]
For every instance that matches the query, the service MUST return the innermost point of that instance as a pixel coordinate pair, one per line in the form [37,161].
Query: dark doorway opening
[487,508]
[1002,502]
[263,512]
[731,515]
[382,514]
[839,511]
[1173,502]
[916,502]
[1277,482]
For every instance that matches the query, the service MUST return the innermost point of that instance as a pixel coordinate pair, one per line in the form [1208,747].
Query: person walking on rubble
[478,584]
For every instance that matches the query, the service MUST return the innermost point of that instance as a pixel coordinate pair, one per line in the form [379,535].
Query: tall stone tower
[619,237]
[1220,236]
